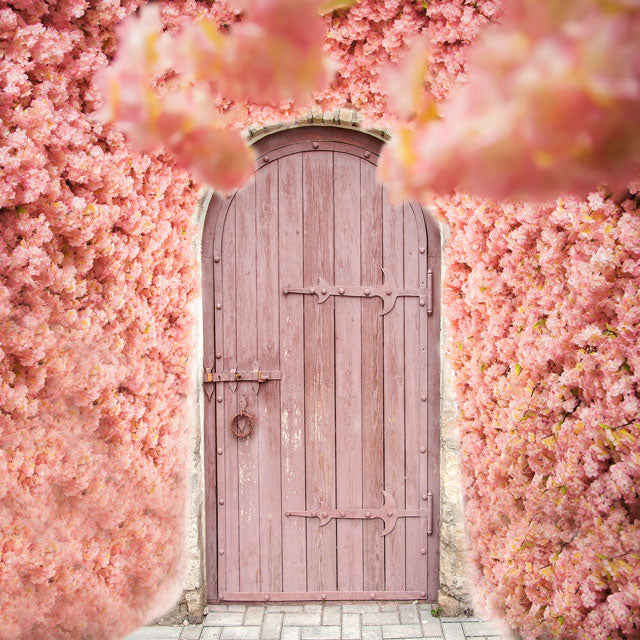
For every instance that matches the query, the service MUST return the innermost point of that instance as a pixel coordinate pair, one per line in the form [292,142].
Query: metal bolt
[423,552]
[423,398]
[423,594]
[324,596]
[267,596]
[421,249]
[219,452]
[424,496]
[221,552]
[288,513]
[265,159]
[389,513]
[423,449]
[341,290]
[323,291]
[218,355]
[221,501]
[312,290]
[324,514]
[343,514]
[388,292]
[367,154]
[219,398]
[372,595]
[367,292]
[368,514]
[316,145]
[216,258]
[218,306]
[422,303]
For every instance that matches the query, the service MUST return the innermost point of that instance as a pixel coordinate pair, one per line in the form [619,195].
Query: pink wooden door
[321,357]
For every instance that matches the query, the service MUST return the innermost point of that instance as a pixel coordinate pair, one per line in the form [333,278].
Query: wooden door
[321,363]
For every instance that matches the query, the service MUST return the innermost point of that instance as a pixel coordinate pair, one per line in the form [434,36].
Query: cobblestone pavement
[366,621]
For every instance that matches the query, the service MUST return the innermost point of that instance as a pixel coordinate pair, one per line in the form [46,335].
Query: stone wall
[453,596]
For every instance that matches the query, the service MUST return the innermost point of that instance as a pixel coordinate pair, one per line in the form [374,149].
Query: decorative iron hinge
[388,513]
[234,376]
[388,292]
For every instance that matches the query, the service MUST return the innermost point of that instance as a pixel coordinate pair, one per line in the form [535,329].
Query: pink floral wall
[96,271]
[545,314]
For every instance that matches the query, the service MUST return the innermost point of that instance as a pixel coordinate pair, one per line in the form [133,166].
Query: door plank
[228,461]
[394,440]
[348,326]
[372,377]
[413,356]
[248,448]
[319,367]
[294,530]
[268,414]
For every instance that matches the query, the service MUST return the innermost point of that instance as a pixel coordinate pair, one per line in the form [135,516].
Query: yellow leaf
[333,5]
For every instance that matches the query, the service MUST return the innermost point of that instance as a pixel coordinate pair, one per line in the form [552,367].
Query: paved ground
[366,621]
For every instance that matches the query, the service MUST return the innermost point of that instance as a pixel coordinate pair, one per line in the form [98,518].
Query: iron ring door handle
[237,430]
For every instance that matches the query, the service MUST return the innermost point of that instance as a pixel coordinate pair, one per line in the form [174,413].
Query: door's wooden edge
[319,596]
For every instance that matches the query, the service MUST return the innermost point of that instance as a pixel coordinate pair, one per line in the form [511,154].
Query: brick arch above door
[321,321]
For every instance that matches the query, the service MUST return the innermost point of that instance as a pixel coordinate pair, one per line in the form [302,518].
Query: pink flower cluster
[545,341]
[163,89]
[551,107]
[96,271]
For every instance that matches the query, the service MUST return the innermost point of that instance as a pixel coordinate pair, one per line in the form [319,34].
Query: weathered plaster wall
[453,597]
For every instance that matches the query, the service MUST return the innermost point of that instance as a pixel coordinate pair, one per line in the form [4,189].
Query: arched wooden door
[321,369]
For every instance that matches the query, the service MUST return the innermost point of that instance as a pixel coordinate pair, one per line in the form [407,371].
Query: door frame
[268,148]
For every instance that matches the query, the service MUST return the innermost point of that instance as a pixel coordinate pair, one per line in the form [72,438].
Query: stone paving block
[290,633]
[320,633]
[409,614]
[432,627]
[254,616]
[332,615]
[241,633]
[401,631]
[271,626]
[285,608]
[237,607]
[156,633]
[211,633]
[313,608]
[191,632]
[452,631]
[381,617]
[217,607]
[224,619]
[474,629]
[302,619]
[351,626]
[388,606]
[373,632]
[360,607]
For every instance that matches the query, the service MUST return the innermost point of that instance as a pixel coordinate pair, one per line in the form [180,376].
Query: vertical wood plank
[248,448]
[319,367]
[210,481]
[348,326]
[228,461]
[394,437]
[372,377]
[268,423]
[294,530]
[415,561]
[432,323]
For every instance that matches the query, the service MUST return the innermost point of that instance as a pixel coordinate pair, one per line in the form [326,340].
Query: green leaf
[334,5]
